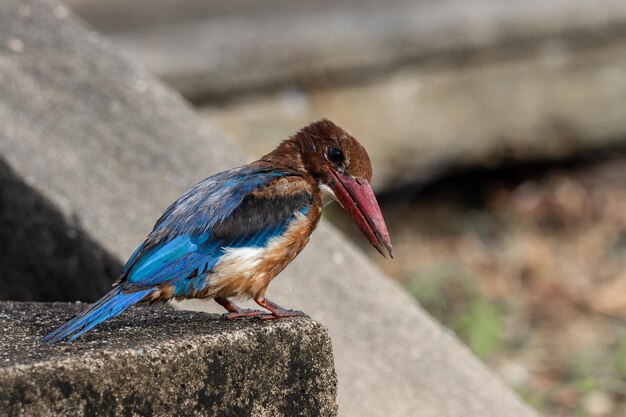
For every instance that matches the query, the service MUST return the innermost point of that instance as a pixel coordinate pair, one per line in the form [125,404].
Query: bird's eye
[334,155]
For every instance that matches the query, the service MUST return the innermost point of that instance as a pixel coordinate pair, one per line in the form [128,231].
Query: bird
[231,234]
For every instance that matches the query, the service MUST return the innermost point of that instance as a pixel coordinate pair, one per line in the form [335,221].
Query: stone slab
[44,252]
[209,50]
[109,148]
[418,124]
[162,362]
[429,86]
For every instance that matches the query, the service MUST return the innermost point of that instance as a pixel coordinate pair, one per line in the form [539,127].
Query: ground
[529,270]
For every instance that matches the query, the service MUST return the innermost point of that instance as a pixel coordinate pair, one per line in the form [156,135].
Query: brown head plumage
[320,146]
[341,168]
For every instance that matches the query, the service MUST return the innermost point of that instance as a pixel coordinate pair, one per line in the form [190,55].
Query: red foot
[277,311]
[236,312]
[243,313]
[280,314]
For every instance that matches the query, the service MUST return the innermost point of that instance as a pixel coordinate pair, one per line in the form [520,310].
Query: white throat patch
[328,195]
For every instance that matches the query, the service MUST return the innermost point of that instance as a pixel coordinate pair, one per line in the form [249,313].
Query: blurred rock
[598,404]
[426,85]
[76,123]
[608,298]
[161,362]
[419,124]
[106,145]
[209,49]
[44,253]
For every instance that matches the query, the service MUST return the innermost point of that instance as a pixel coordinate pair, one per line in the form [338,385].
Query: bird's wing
[244,207]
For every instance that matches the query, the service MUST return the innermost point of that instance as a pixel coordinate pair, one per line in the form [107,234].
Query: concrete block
[44,253]
[162,362]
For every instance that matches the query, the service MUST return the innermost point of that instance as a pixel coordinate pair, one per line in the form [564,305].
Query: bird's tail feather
[112,304]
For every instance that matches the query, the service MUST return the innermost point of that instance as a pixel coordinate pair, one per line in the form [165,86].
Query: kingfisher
[229,235]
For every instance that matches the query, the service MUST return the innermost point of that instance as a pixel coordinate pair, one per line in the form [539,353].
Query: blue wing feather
[184,239]
[112,304]
[211,201]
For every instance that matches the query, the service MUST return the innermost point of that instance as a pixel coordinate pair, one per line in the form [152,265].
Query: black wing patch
[258,215]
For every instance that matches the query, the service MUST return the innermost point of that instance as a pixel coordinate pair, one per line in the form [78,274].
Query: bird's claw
[242,314]
[279,314]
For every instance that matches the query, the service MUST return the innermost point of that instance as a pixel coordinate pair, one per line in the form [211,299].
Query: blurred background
[497,130]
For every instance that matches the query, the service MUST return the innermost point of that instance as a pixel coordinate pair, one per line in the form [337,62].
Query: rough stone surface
[162,362]
[108,148]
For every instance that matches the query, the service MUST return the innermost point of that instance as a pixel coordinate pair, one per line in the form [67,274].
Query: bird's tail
[112,304]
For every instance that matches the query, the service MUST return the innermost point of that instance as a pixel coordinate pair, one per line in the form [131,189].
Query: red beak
[358,199]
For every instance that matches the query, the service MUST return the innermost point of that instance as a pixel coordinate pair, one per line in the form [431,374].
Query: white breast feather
[328,195]
[244,261]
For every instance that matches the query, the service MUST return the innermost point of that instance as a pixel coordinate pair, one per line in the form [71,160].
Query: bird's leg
[236,312]
[277,311]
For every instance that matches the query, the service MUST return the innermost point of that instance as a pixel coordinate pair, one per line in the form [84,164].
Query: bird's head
[343,171]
